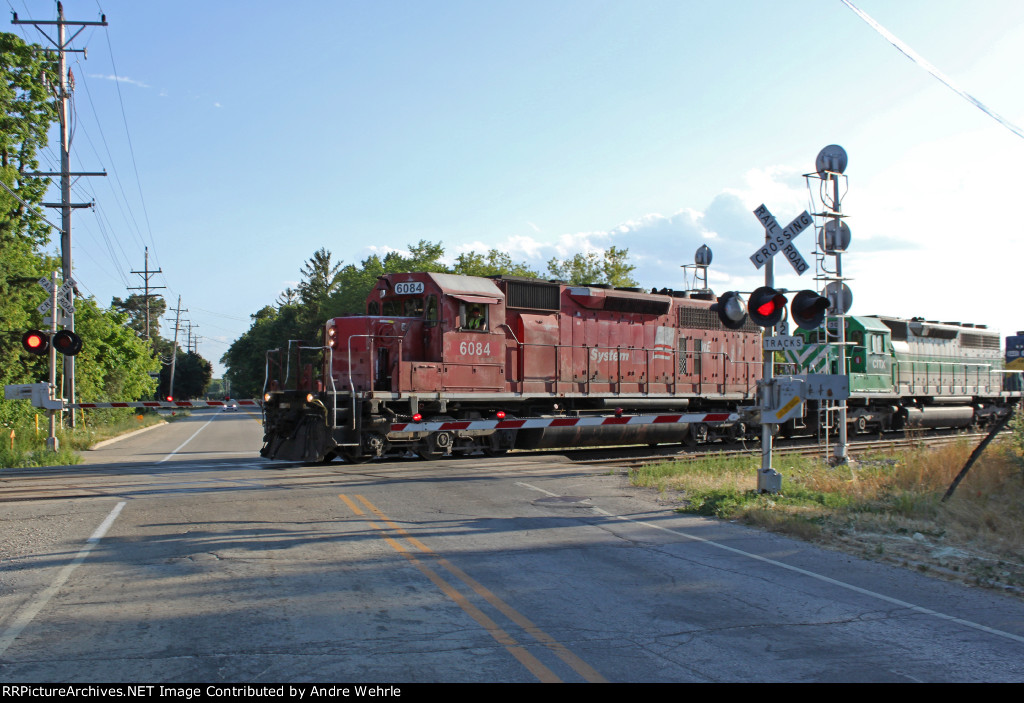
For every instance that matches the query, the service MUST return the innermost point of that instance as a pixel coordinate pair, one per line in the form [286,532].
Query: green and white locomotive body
[906,373]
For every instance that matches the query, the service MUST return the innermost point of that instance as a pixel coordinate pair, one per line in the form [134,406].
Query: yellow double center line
[524,656]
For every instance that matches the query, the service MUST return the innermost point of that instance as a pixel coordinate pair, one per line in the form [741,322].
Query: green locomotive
[905,373]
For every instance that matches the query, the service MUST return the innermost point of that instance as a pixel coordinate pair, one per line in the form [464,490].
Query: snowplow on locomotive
[442,364]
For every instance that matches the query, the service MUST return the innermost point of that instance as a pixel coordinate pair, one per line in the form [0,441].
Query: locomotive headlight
[310,397]
[330,336]
[266,397]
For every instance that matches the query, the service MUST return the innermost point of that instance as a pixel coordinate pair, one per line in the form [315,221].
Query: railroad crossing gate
[784,395]
[38,393]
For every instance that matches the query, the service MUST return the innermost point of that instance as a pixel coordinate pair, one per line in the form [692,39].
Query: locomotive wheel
[438,444]
[329,457]
[860,425]
[376,444]
[698,434]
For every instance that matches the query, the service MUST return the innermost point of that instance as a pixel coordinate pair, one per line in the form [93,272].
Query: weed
[887,506]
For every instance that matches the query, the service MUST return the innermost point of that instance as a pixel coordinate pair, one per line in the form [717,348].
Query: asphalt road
[179,555]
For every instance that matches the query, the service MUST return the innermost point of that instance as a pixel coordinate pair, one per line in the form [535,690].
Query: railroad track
[89,481]
[630,457]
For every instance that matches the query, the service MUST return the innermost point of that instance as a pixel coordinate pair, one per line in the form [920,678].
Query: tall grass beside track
[885,506]
[29,442]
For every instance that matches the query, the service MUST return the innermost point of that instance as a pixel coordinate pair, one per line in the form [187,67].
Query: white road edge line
[27,613]
[804,572]
[182,445]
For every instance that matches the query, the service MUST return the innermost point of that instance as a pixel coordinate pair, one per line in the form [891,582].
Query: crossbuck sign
[780,239]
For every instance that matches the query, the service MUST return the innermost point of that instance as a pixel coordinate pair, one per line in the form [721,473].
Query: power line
[939,75]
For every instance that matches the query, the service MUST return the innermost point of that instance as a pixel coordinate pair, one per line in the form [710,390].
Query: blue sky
[243,136]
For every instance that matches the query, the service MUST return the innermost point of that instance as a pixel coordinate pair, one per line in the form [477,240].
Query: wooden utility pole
[174,351]
[62,93]
[146,273]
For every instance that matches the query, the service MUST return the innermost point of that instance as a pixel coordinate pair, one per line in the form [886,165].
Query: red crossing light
[766,306]
[35,342]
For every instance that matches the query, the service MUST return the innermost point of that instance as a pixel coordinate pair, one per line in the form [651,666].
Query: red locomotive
[443,364]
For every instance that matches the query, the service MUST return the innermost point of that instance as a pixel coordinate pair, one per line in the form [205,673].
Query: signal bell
[766,306]
[35,342]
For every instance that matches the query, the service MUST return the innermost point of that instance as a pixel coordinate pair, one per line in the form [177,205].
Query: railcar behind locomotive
[908,373]
[442,364]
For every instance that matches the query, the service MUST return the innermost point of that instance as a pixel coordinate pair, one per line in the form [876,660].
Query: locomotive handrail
[915,371]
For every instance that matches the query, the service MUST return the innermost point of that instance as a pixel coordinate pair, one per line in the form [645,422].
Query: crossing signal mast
[766,307]
[833,240]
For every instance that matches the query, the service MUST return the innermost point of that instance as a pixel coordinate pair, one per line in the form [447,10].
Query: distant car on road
[230,407]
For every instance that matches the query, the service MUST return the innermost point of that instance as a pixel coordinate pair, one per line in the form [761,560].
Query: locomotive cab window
[431,315]
[473,316]
[404,307]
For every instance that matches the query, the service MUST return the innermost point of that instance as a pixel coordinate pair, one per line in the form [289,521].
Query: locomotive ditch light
[35,342]
[808,309]
[766,306]
[731,310]
[67,343]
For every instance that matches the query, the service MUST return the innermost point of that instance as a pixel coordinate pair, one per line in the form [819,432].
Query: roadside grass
[884,506]
[28,446]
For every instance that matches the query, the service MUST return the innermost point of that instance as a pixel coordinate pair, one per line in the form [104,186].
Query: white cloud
[119,79]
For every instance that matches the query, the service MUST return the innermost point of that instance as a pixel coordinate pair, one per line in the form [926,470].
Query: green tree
[493,263]
[134,306]
[192,374]
[611,268]
[26,113]
[115,363]
[318,284]
[246,357]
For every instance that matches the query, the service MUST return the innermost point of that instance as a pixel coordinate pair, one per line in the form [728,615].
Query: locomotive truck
[442,363]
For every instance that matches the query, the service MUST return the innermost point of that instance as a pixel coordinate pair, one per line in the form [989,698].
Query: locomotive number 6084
[475,348]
